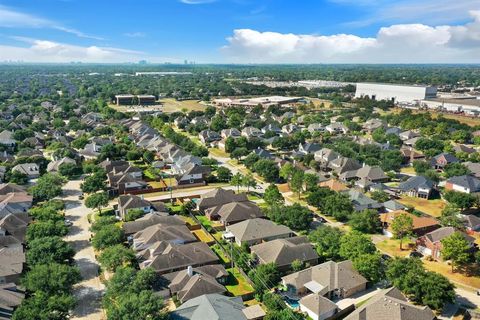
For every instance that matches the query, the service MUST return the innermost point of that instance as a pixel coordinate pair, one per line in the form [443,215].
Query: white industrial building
[469,106]
[395,92]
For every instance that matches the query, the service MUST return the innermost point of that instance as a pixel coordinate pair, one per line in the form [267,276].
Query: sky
[241,31]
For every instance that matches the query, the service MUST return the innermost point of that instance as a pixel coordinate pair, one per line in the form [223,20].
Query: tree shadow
[88,268]
[88,301]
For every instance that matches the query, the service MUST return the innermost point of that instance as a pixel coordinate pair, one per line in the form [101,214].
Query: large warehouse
[395,92]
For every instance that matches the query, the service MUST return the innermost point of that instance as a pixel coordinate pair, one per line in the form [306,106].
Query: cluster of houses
[14,203]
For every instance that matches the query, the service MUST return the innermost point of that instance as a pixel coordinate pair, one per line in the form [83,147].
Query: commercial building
[130,99]
[395,92]
[253,102]
[469,106]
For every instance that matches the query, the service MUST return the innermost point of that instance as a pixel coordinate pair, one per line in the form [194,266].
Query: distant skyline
[241,31]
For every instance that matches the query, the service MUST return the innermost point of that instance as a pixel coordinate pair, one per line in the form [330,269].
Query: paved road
[89,291]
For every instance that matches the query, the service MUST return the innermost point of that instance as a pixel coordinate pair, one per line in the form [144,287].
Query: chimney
[141,196]
[190,271]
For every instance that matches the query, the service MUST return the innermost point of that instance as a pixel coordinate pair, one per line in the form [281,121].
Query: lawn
[203,236]
[189,220]
[172,105]
[204,221]
[218,153]
[407,170]
[392,247]
[224,258]
[469,278]
[431,207]
[237,284]
[156,184]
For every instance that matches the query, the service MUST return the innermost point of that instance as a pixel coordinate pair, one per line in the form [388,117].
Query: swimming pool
[294,304]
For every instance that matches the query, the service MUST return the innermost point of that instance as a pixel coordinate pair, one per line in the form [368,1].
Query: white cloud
[10,18]
[402,43]
[49,51]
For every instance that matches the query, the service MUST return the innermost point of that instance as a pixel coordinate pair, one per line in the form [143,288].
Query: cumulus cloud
[10,18]
[402,43]
[50,51]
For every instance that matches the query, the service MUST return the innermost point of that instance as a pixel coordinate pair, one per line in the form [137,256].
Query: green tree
[17,177]
[97,201]
[40,229]
[455,169]
[366,221]
[297,265]
[94,183]
[42,306]
[355,244]
[48,187]
[311,181]
[272,196]
[142,305]
[249,181]
[450,217]
[296,182]
[402,226]
[49,249]
[295,216]
[69,170]
[264,277]
[286,171]
[224,174]
[370,266]
[237,180]
[456,248]
[460,199]
[109,235]
[339,206]
[326,240]
[379,196]
[133,214]
[267,169]
[116,256]
[52,278]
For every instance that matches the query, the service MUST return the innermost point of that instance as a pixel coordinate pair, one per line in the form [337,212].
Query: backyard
[392,247]
[237,284]
[431,207]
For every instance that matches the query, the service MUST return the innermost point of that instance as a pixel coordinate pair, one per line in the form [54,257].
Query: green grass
[225,260]
[237,284]
[204,221]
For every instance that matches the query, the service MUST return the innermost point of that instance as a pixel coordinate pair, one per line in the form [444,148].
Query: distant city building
[130,99]
[395,92]
[253,102]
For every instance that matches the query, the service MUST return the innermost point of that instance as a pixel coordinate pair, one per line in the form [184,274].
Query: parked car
[68,223]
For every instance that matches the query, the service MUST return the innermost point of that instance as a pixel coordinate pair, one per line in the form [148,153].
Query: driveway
[89,291]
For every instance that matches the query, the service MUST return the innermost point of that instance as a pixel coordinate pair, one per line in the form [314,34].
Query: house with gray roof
[127,202]
[464,184]
[417,186]
[329,279]
[440,161]
[219,197]
[308,148]
[151,219]
[430,244]
[194,282]
[258,230]
[343,164]
[164,257]
[211,307]
[283,252]
[471,222]
[318,307]
[234,212]
[230,133]
[12,260]
[176,234]
[54,166]
[6,139]
[31,170]
[391,304]
[365,176]
[361,202]
[11,297]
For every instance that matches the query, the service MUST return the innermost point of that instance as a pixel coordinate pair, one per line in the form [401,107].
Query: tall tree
[97,201]
[402,226]
[272,196]
[296,182]
[237,180]
[456,248]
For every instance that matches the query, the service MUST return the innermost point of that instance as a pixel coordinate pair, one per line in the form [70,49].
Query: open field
[171,105]
[460,118]
[431,207]
[470,278]
[218,153]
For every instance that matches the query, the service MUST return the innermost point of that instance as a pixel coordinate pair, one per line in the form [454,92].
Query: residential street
[89,291]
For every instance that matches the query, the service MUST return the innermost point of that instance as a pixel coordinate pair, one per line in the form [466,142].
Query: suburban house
[283,252]
[208,136]
[471,222]
[337,128]
[234,212]
[417,186]
[14,225]
[430,244]
[325,156]
[128,202]
[12,260]
[329,279]
[308,148]
[219,197]
[440,161]
[272,128]
[255,231]
[421,225]
[191,173]
[474,168]
[410,155]
[343,164]
[175,234]
[409,134]
[194,282]
[465,184]
[392,205]
[31,170]
[391,304]
[365,176]
[211,307]
[11,297]
[230,133]
[361,202]
[149,220]
[55,165]
[124,182]
[6,139]
[318,307]
[315,127]
[251,132]
[165,257]
[373,124]
[262,153]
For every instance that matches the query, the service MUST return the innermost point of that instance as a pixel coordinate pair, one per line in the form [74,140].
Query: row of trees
[50,274]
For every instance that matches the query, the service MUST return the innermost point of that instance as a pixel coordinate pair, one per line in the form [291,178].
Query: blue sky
[243,31]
